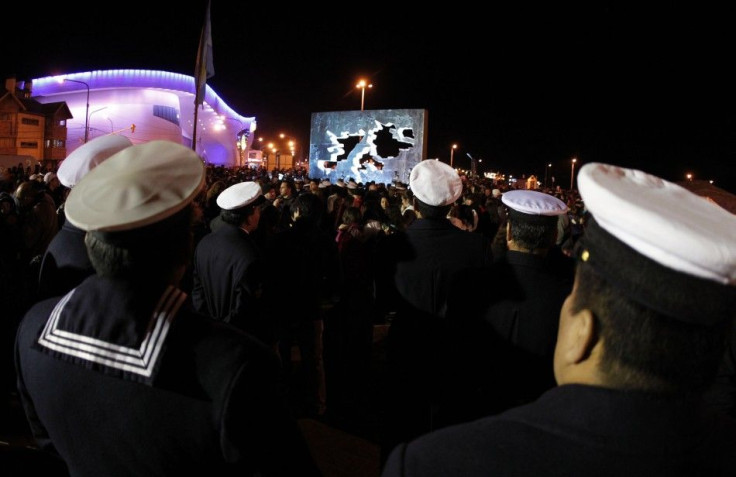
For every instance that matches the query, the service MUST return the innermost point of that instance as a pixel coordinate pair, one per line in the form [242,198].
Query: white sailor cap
[87,156]
[324,184]
[532,205]
[240,195]
[340,183]
[138,186]
[48,177]
[660,244]
[435,183]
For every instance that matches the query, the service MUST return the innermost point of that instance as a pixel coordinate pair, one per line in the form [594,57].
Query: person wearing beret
[421,267]
[118,377]
[65,263]
[229,268]
[640,339]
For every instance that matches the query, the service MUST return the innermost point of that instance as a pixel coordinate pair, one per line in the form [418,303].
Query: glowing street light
[546,170]
[452,154]
[572,173]
[362,85]
[86,114]
[689,176]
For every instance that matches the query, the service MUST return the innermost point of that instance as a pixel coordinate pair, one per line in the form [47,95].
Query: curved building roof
[159,103]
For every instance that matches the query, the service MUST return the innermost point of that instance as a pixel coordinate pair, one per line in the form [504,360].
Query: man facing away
[640,338]
[117,377]
[65,263]
[228,265]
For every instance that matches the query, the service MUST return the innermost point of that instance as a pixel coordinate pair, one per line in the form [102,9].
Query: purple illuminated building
[145,105]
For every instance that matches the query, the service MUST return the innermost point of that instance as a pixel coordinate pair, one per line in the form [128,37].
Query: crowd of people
[167,316]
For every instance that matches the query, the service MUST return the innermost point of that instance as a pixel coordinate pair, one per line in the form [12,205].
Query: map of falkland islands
[366,154]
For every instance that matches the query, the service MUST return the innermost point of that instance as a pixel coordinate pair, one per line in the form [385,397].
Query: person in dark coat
[640,339]
[118,377]
[65,263]
[511,311]
[422,267]
[228,265]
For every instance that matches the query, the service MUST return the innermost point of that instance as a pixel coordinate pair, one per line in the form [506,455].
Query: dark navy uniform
[228,275]
[577,430]
[429,259]
[158,390]
[65,263]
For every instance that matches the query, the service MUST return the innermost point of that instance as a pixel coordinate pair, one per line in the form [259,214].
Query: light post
[572,173]
[86,114]
[89,116]
[452,155]
[546,170]
[362,85]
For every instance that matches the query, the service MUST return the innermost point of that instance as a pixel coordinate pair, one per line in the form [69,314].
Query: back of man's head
[136,210]
[655,279]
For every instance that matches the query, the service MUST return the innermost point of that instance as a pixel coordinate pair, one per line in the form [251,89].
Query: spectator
[118,377]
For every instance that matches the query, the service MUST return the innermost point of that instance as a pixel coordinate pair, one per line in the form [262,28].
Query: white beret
[138,186]
[48,177]
[435,183]
[324,184]
[662,221]
[532,202]
[87,156]
[340,183]
[239,195]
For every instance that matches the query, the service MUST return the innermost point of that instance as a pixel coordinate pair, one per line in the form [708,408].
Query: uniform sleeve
[258,430]
[38,430]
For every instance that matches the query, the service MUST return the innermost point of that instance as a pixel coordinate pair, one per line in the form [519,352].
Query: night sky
[519,87]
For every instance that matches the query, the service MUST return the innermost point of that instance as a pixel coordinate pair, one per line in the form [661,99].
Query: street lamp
[546,170]
[452,154]
[689,176]
[86,114]
[572,173]
[362,85]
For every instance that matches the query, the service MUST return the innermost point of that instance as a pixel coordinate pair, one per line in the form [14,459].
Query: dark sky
[519,87]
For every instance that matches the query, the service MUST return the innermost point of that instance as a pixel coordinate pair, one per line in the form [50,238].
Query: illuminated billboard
[380,146]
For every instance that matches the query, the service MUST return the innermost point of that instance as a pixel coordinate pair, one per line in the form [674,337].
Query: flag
[205,68]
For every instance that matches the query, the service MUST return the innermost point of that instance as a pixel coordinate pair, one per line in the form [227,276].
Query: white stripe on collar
[140,361]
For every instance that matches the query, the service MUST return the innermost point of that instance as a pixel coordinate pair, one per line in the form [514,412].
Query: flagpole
[203,70]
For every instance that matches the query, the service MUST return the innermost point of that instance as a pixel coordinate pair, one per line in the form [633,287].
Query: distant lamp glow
[452,154]
[362,85]
[572,172]
[689,176]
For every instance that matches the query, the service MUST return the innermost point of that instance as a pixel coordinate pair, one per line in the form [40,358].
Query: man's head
[240,204]
[436,186]
[655,286]
[136,209]
[532,220]
[286,189]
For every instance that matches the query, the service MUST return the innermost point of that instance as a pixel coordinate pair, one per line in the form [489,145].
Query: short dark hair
[150,253]
[531,235]
[237,216]
[644,349]
[431,211]
[309,207]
